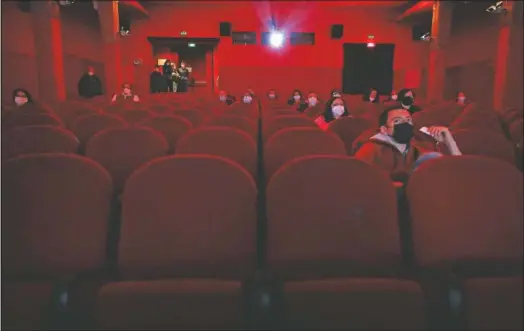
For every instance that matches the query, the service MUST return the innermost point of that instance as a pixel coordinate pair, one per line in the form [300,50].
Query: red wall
[317,67]
[81,42]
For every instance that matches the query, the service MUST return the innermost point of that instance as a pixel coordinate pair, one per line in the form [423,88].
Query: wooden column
[110,27]
[440,30]
[508,61]
[47,31]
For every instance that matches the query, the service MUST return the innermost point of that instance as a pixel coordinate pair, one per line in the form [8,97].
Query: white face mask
[312,101]
[20,101]
[127,91]
[371,99]
[247,99]
[222,98]
[462,99]
[272,96]
[337,111]
[394,97]
[296,97]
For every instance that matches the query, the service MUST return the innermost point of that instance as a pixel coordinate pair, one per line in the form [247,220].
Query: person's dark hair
[28,95]
[383,118]
[402,93]
[366,96]
[328,114]
[333,91]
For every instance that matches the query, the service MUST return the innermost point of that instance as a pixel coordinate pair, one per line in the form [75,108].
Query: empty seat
[54,227]
[349,129]
[487,143]
[38,139]
[237,122]
[86,126]
[314,111]
[24,119]
[122,150]
[230,143]
[161,109]
[469,224]
[133,116]
[291,143]
[336,250]
[187,242]
[241,109]
[286,121]
[172,127]
[70,112]
[191,115]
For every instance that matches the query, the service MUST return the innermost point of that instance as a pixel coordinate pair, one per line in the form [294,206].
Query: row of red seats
[124,306]
[188,241]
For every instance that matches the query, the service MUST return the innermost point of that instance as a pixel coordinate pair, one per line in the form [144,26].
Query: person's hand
[440,133]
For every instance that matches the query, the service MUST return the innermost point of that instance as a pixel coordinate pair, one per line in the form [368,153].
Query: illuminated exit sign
[183,33]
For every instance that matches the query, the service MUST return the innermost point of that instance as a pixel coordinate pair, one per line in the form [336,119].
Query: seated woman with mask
[462,100]
[21,97]
[296,98]
[272,95]
[247,98]
[127,94]
[372,96]
[335,108]
[393,97]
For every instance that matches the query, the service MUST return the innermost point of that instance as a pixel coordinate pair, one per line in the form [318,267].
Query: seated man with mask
[393,149]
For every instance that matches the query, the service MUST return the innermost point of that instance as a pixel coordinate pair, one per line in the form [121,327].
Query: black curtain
[366,68]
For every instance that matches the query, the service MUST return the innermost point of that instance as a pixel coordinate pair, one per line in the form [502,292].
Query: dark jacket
[157,82]
[89,86]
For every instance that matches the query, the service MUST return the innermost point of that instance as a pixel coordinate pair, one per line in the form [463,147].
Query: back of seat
[334,240]
[188,238]
[467,219]
[290,143]
[54,226]
[122,150]
[38,139]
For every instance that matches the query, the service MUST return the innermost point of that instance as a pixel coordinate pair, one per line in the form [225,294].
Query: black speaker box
[337,31]
[225,29]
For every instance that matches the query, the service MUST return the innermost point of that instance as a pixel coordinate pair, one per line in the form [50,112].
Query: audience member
[296,98]
[462,100]
[247,98]
[393,97]
[89,84]
[183,78]
[372,96]
[335,108]
[272,95]
[127,94]
[21,97]
[167,71]
[393,149]
[157,81]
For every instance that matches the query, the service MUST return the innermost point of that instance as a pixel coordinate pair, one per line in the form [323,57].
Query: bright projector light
[276,39]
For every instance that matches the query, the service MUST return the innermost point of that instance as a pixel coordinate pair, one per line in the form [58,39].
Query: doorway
[197,53]
[366,68]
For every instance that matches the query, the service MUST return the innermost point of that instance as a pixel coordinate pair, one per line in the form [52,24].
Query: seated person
[462,100]
[407,101]
[393,97]
[226,98]
[336,93]
[21,97]
[247,98]
[393,149]
[335,108]
[372,96]
[272,95]
[296,98]
[127,94]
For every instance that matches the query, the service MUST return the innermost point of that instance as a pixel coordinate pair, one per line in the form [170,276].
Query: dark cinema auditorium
[262,165]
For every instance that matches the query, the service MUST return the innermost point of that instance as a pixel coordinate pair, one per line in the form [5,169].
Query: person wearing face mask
[462,100]
[372,96]
[247,98]
[89,84]
[183,78]
[272,95]
[21,97]
[335,108]
[126,95]
[225,98]
[295,99]
[393,150]
[407,103]
[392,98]
[157,81]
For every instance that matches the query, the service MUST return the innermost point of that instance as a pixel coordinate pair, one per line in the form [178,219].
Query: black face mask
[407,101]
[403,132]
